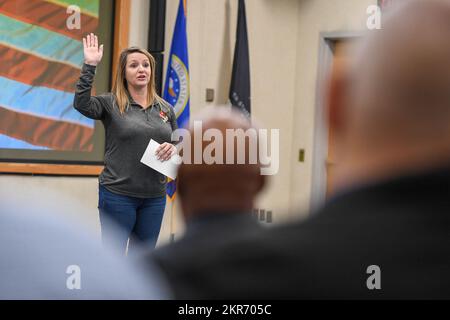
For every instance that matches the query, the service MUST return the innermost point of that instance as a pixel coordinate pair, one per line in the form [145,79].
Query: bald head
[219,181]
[390,109]
[403,70]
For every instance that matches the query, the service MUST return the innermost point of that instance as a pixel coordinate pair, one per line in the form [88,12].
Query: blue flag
[176,89]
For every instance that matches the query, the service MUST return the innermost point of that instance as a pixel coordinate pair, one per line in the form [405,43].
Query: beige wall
[139,19]
[272,30]
[72,198]
[284,50]
[315,17]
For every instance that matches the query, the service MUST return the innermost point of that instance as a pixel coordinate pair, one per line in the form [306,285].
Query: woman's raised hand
[92,52]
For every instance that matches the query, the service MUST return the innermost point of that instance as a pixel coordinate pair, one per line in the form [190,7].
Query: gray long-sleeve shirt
[127,137]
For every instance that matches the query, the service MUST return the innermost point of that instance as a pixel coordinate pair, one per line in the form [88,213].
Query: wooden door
[340,59]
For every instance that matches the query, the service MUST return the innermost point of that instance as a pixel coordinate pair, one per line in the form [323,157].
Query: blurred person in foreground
[45,257]
[215,198]
[385,231]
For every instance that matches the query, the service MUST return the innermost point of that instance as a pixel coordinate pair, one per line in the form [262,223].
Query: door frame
[327,45]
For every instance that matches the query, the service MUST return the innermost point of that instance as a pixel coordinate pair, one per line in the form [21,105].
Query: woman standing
[132,196]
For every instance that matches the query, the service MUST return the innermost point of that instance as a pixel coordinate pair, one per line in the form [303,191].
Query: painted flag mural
[176,89]
[41,55]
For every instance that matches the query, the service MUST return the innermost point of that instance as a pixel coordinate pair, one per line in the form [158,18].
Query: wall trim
[50,169]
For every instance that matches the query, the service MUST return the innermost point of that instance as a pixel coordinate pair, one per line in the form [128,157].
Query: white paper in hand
[168,168]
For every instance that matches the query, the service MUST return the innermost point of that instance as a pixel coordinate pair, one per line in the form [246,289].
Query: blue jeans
[125,217]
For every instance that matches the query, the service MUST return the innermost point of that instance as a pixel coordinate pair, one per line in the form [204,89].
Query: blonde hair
[120,85]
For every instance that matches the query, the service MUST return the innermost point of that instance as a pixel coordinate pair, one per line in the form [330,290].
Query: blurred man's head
[217,180]
[390,109]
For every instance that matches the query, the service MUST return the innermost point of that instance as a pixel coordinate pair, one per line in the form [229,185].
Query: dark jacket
[401,226]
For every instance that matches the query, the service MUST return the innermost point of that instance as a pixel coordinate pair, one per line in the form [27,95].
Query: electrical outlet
[301,155]
[209,95]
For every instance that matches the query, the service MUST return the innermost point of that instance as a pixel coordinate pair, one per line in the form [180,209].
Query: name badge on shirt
[163,116]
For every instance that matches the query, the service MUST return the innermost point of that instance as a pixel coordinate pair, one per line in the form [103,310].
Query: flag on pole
[240,78]
[176,89]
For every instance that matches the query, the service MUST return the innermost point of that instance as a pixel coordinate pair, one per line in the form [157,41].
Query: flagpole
[176,90]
